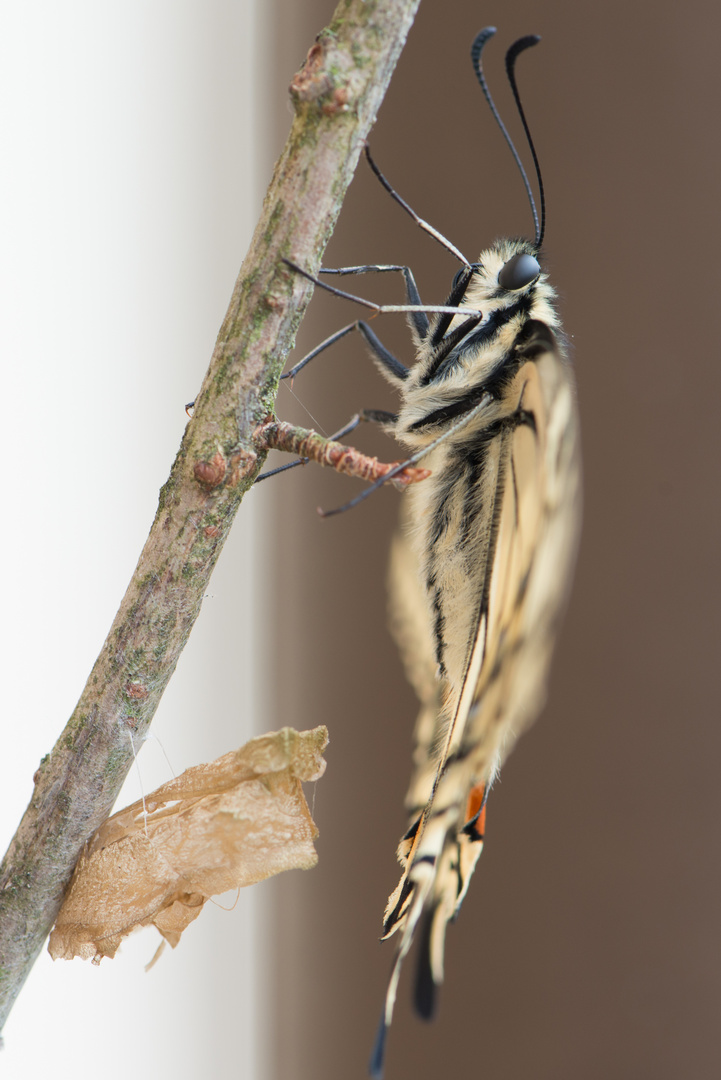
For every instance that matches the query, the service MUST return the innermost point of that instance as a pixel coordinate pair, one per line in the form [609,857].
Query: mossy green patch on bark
[338,26]
[135,662]
[73,728]
[276,216]
[116,765]
[163,630]
[360,55]
[165,495]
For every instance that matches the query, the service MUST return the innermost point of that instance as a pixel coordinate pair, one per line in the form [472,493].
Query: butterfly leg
[386,359]
[371,416]
[380,309]
[419,319]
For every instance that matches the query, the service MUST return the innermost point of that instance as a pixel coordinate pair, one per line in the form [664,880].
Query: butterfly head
[506,273]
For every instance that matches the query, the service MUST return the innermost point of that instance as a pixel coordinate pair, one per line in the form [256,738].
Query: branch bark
[336,95]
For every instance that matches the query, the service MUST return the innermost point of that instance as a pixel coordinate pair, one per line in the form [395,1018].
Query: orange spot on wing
[475,801]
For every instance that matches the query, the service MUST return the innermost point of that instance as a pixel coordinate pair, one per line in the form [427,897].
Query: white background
[129,188]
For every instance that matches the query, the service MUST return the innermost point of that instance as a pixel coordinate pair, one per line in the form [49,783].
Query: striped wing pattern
[479,581]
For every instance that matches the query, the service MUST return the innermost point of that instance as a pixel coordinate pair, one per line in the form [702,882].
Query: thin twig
[336,96]
[278,435]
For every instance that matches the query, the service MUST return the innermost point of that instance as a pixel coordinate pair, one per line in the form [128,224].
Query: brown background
[590,943]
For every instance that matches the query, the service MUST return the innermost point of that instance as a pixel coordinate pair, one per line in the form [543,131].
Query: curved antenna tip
[518,46]
[511,56]
[480,40]
[522,44]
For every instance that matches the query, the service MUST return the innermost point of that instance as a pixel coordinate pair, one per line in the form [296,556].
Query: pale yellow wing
[513,604]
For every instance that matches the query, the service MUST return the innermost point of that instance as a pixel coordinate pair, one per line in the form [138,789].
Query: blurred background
[134,163]
[138,145]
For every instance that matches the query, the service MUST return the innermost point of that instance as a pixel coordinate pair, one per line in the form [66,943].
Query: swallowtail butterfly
[482,565]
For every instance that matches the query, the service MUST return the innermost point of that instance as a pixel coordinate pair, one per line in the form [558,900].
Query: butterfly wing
[506,552]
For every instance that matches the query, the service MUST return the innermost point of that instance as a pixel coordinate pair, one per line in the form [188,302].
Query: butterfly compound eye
[518,272]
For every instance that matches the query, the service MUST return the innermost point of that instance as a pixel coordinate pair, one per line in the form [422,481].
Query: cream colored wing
[513,605]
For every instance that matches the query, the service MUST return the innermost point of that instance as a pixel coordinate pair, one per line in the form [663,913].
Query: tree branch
[336,96]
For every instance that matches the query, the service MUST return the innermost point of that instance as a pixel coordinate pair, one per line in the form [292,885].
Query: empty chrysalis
[481,569]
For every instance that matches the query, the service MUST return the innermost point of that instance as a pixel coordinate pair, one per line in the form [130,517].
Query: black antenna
[511,56]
